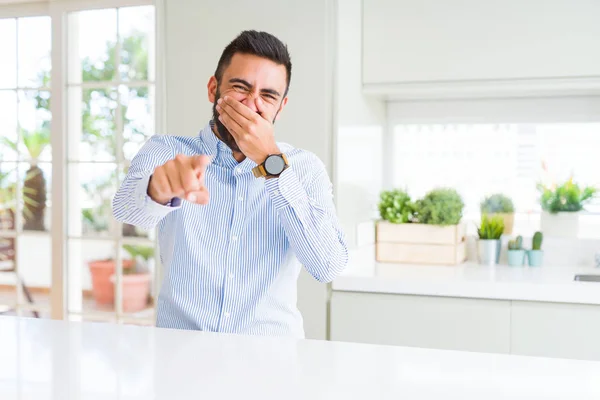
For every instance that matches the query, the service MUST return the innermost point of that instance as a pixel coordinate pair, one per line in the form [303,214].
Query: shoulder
[177,144]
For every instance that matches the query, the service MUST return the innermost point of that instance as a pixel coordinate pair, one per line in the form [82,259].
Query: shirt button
[230,275]
[234,237]
[226,315]
[240,198]
[238,170]
[276,193]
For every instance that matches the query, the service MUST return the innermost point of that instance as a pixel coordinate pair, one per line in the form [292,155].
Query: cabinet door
[421,321]
[408,41]
[556,330]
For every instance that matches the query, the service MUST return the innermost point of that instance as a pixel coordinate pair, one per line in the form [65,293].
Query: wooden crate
[421,244]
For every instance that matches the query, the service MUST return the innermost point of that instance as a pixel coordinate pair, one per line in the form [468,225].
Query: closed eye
[238,87]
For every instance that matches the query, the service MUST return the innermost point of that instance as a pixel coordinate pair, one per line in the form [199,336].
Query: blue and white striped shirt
[232,265]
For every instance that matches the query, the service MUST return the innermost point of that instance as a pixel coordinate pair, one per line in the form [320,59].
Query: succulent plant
[497,203]
[442,206]
[538,238]
[516,244]
[491,227]
[395,206]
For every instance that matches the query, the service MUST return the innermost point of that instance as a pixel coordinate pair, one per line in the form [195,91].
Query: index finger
[238,107]
[263,111]
[199,163]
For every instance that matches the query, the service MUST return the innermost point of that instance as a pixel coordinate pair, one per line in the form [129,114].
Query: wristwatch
[272,167]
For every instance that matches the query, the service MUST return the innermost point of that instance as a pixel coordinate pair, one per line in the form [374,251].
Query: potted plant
[536,254]
[428,231]
[516,254]
[395,206]
[561,205]
[34,185]
[489,234]
[502,205]
[136,281]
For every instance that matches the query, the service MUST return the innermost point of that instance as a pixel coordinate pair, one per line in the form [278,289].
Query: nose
[250,101]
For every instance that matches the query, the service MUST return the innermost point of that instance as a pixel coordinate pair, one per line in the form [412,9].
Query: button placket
[236,226]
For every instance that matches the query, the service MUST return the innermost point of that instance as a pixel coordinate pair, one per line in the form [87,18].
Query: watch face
[274,165]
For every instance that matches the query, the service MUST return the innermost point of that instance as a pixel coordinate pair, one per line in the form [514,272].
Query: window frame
[58,11]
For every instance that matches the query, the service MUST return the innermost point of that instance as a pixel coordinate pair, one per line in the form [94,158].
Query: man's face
[247,79]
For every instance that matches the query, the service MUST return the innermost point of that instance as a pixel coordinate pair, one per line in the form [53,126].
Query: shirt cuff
[145,202]
[286,189]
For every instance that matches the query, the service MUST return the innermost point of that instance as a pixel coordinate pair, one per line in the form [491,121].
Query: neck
[238,155]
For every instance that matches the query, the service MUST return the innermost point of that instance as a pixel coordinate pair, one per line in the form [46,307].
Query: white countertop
[547,284]
[42,359]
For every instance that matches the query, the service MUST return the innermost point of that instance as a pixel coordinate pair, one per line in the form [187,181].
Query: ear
[283,103]
[212,87]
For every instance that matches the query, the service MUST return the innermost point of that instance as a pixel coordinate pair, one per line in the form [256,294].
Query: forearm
[309,220]
[132,204]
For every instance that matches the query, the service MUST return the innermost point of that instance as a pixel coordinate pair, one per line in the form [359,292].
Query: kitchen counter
[544,284]
[43,359]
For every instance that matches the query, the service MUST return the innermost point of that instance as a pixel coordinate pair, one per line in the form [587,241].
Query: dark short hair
[261,44]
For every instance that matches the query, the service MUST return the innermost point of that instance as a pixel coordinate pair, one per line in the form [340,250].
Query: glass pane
[138,118]
[35,269]
[8,124]
[35,38]
[94,34]
[89,285]
[89,195]
[136,31]
[137,280]
[8,49]
[8,196]
[34,123]
[36,179]
[92,127]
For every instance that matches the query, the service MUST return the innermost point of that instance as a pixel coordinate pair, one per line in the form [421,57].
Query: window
[25,164]
[110,88]
[103,96]
[480,159]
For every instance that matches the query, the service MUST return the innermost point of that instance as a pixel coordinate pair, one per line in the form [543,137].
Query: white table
[42,359]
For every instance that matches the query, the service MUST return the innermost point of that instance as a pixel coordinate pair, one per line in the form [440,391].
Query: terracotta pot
[102,287]
[136,289]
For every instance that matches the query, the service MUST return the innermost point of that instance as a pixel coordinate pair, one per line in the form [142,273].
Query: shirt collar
[221,153]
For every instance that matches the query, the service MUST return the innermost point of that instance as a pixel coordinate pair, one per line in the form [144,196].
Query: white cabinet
[556,330]
[443,42]
[421,321]
[495,326]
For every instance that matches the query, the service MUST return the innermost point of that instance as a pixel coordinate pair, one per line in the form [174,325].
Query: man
[238,213]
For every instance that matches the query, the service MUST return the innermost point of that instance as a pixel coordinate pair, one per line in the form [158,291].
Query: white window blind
[480,159]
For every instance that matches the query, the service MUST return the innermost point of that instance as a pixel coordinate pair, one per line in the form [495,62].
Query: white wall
[360,133]
[197,32]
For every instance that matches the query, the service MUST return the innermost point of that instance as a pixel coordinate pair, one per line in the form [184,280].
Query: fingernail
[219,101]
[218,107]
[192,198]
[226,98]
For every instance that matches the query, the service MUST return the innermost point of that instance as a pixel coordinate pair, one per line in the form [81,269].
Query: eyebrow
[247,84]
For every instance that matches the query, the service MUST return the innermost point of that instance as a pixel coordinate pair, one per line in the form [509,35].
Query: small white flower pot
[562,224]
